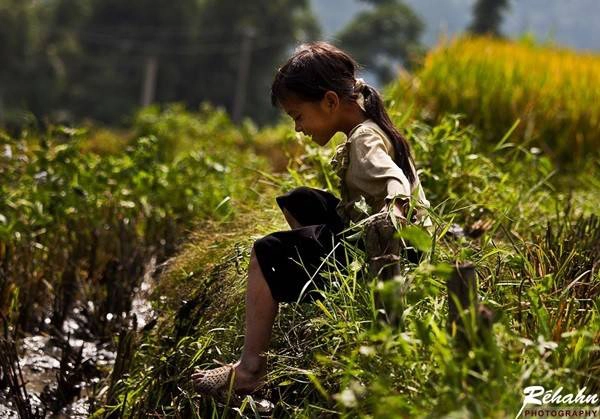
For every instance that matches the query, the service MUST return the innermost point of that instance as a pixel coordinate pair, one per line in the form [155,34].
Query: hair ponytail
[317,67]
[375,110]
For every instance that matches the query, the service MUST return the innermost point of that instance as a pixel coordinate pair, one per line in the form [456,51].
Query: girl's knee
[253,259]
[254,268]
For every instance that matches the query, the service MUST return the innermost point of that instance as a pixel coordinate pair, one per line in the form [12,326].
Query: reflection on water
[40,360]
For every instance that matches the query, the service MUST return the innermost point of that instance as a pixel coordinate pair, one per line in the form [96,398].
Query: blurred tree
[72,59]
[18,53]
[59,34]
[36,39]
[487,17]
[117,40]
[277,27]
[383,37]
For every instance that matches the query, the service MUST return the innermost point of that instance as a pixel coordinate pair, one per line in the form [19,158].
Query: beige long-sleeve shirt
[366,168]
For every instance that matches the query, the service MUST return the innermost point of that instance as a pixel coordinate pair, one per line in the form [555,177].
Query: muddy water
[39,359]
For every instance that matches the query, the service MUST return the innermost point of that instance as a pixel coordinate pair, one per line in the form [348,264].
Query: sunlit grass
[553,92]
[339,356]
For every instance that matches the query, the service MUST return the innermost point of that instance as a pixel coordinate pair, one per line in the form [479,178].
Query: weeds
[380,349]
[368,348]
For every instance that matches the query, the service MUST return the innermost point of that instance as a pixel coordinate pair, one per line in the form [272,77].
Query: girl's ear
[330,101]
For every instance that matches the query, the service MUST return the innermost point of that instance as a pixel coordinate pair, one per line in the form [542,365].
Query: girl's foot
[217,380]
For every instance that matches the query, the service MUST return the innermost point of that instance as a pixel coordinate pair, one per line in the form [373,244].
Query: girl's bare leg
[261,310]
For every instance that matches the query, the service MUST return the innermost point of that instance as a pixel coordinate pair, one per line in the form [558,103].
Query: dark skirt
[291,261]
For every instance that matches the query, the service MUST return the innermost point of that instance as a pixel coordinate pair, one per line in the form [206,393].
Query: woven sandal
[215,381]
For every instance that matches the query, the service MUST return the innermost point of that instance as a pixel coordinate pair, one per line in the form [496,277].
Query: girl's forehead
[291,101]
[292,104]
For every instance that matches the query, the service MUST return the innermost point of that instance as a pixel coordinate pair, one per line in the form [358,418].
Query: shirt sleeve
[373,169]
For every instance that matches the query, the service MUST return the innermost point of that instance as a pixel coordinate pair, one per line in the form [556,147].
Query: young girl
[318,88]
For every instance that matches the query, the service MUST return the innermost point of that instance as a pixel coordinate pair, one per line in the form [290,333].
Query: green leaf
[418,237]
[443,270]
[71,132]
[507,135]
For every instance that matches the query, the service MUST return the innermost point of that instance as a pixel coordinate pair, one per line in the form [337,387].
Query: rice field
[551,94]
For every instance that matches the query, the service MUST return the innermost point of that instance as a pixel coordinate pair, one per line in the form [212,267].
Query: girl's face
[316,119]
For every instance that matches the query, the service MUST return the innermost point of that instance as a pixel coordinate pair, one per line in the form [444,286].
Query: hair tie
[359,85]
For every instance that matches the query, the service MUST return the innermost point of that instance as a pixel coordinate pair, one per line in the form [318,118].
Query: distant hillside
[573,23]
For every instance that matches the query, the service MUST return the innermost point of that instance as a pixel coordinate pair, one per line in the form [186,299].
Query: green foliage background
[66,60]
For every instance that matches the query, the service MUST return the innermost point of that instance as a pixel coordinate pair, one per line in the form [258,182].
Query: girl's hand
[396,207]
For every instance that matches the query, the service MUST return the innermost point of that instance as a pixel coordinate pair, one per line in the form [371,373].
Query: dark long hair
[318,67]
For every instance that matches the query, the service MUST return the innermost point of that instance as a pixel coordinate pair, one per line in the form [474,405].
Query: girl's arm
[376,173]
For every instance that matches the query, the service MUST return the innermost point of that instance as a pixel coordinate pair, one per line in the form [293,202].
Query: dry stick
[382,247]
[462,290]
[463,304]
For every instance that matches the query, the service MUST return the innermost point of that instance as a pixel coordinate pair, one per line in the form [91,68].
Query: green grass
[82,225]
[75,204]
[537,268]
